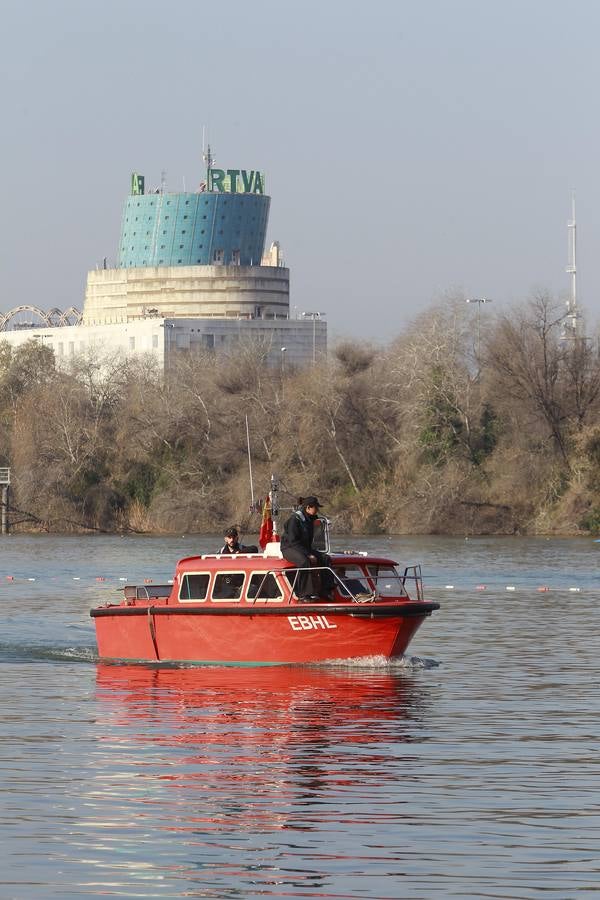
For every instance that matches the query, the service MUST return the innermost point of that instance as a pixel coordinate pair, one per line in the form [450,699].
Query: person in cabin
[232,543]
[297,547]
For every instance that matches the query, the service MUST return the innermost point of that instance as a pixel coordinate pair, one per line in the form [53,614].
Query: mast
[571,325]
[250,465]
[273,495]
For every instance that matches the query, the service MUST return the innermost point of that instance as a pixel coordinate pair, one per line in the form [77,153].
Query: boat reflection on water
[249,749]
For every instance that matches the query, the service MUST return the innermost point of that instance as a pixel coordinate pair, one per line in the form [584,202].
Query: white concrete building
[167,338]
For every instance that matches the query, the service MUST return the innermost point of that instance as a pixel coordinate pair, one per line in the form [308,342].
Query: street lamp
[314,316]
[283,352]
[478,301]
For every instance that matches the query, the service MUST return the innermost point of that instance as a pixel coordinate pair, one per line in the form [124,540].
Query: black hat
[310,501]
[231,532]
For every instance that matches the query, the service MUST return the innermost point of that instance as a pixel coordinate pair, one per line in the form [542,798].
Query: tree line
[448,429]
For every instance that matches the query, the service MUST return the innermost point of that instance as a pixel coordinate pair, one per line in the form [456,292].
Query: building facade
[202,229]
[226,292]
[286,343]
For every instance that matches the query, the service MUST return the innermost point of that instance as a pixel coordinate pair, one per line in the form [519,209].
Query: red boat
[243,609]
[246,609]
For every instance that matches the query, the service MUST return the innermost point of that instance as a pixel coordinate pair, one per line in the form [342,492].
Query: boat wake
[41,653]
[19,652]
[397,664]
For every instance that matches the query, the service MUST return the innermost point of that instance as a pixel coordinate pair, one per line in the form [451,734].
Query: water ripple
[467,769]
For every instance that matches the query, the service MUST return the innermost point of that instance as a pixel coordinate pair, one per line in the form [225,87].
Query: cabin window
[228,586]
[387,581]
[194,587]
[264,586]
[353,581]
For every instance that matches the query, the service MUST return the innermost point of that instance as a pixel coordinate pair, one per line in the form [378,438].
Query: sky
[412,149]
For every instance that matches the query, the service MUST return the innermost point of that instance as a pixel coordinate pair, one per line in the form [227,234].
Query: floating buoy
[10,577]
[481,587]
[76,578]
[31,579]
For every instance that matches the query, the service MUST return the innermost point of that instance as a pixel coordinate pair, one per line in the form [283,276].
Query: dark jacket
[238,548]
[298,533]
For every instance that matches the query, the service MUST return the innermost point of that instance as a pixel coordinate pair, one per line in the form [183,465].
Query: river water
[469,769]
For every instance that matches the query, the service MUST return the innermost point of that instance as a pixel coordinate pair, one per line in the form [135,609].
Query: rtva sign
[236,181]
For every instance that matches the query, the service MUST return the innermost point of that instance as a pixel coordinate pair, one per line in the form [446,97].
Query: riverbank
[419,437]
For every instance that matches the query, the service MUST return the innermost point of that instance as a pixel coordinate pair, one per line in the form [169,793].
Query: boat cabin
[268,579]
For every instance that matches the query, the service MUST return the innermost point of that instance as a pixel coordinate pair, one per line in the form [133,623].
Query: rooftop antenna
[571,326]
[209,160]
[250,465]
[163,180]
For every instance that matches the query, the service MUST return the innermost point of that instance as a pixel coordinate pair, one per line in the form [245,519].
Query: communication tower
[572,323]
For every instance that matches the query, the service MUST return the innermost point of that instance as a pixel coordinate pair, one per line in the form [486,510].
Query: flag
[266,526]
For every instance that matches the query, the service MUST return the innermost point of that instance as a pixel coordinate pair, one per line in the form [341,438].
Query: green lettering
[258,183]
[137,184]
[233,176]
[217,176]
[247,181]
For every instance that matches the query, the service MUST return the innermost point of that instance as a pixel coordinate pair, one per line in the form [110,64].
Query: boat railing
[361,593]
[145,592]
[357,591]
[413,575]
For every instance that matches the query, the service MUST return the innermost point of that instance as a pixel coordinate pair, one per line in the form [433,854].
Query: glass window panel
[228,586]
[353,581]
[194,587]
[264,587]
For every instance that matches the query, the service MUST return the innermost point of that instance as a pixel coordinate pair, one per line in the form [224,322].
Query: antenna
[163,180]
[250,464]
[210,161]
[571,326]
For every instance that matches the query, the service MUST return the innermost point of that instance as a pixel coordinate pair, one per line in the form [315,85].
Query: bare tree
[545,375]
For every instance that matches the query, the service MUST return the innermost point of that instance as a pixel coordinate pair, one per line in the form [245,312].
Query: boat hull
[294,634]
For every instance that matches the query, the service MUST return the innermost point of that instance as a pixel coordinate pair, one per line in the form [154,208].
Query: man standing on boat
[297,547]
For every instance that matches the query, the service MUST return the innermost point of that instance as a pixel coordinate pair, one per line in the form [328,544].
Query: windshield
[352,581]
[388,582]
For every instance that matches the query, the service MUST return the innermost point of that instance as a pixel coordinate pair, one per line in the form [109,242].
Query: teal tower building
[225,223]
[193,254]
